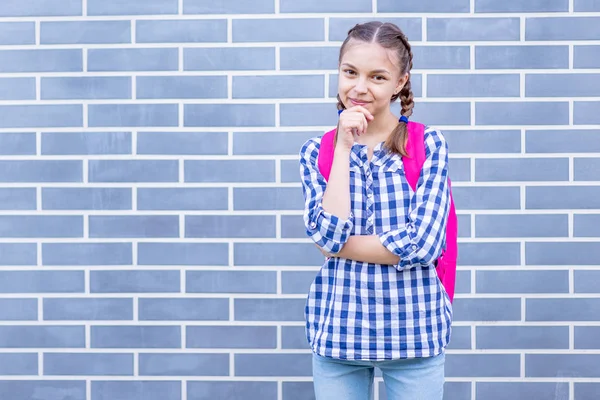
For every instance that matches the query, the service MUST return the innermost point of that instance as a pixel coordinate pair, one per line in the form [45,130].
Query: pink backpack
[415,146]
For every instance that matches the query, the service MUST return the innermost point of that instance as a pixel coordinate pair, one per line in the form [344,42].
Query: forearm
[336,199]
[367,248]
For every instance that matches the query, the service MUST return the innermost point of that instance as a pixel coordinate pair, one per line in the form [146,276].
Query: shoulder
[310,148]
[434,139]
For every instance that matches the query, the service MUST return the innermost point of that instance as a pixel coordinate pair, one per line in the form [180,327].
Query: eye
[379,78]
[349,72]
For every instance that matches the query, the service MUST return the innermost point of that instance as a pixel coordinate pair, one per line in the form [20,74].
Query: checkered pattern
[364,311]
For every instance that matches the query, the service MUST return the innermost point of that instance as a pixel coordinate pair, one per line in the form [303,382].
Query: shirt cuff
[335,231]
[401,243]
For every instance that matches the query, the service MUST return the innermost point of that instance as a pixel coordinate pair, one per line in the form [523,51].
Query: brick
[299,391]
[490,6]
[339,27]
[131,7]
[563,28]
[586,56]
[552,365]
[231,282]
[85,254]
[41,60]
[86,143]
[586,337]
[522,390]
[135,337]
[238,115]
[294,337]
[522,113]
[479,254]
[94,309]
[473,29]
[316,114]
[41,171]
[522,337]
[279,254]
[184,364]
[464,226]
[461,338]
[299,58]
[18,254]
[40,8]
[566,253]
[47,389]
[587,281]
[463,282]
[233,59]
[521,57]
[586,225]
[296,282]
[18,309]
[273,365]
[280,143]
[586,391]
[442,113]
[182,143]
[74,364]
[17,88]
[281,86]
[41,116]
[228,337]
[269,309]
[134,115]
[182,199]
[521,225]
[17,144]
[228,7]
[289,171]
[41,226]
[134,226]
[157,309]
[278,30]
[483,141]
[136,390]
[181,253]
[42,282]
[216,171]
[46,336]
[133,59]
[552,197]
[133,171]
[427,6]
[332,6]
[586,112]
[181,31]
[586,5]
[461,169]
[441,57]
[231,390]
[520,282]
[473,85]
[86,88]
[85,32]
[181,87]
[135,281]
[553,141]
[86,198]
[575,85]
[579,309]
[482,365]
[487,309]
[584,168]
[19,364]
[267,199]
[457,390]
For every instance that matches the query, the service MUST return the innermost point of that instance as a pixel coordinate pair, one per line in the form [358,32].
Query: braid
[406,95]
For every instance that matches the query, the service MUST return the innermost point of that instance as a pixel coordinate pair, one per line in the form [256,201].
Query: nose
[361,86]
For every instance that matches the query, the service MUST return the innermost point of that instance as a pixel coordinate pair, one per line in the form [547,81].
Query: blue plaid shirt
[366,311]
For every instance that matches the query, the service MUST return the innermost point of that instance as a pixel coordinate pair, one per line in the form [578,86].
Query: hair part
[388,36]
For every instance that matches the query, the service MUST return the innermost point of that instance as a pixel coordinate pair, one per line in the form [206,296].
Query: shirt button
[368,172]
[370,220]
[313,225]
[414,247]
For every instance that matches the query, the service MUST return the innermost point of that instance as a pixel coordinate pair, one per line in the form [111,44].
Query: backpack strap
[415,147]
[326,151]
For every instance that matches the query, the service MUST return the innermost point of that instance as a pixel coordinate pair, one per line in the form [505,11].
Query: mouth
[357,102]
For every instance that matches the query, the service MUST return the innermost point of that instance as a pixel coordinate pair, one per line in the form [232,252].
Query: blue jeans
[409,379]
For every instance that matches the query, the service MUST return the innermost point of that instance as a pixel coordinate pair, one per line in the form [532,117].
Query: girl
[377,301]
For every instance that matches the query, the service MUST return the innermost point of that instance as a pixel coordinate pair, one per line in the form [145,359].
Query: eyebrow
[377,71]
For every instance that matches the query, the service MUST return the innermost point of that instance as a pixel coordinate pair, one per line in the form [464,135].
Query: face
[369,76]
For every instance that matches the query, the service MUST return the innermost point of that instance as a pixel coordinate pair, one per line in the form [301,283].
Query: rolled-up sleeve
[327,230]
[420,241]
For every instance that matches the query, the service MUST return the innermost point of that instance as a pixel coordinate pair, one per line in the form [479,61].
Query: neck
[379,129]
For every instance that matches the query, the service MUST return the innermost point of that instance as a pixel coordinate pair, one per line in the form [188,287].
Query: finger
[362,110]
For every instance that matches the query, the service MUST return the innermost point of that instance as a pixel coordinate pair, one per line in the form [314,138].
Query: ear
[401,82]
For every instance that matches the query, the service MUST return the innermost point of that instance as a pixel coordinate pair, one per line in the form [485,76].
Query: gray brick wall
[151,244]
